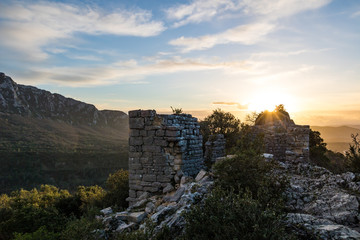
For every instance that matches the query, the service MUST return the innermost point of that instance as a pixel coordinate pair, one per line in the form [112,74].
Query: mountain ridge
[34,102]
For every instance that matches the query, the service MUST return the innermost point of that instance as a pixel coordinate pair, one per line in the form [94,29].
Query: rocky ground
[322,205]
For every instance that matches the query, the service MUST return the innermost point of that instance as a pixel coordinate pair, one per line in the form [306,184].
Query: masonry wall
[161,148]
[285,141]
[214,148]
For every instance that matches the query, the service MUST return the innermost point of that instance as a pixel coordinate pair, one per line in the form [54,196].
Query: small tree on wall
[176,110]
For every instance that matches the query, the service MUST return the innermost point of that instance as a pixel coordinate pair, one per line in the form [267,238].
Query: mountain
[48,138]
[33,102]
[337,138]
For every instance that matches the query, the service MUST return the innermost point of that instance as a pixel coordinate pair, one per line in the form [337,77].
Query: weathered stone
[150,207]
[136,123]
[136,217]
[176,197]
[169,187]
[149,178]
[125,227]
[200,175]
[106,211]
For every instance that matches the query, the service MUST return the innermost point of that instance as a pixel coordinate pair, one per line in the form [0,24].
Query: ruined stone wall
[161,149]
[214,148]
[285,141]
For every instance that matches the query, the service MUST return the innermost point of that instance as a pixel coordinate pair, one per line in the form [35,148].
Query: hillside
[337,138]
[48,138]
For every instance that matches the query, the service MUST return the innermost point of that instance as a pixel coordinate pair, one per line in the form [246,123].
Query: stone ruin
[285,140]
[214,148]
[164,148]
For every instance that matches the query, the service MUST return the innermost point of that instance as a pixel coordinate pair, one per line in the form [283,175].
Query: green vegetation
[246,203]
[353,155]
[278,114]
[176,110]
[51,213]
[44,151]
[220,122]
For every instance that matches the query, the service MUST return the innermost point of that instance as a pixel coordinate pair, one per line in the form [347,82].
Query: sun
[267,100]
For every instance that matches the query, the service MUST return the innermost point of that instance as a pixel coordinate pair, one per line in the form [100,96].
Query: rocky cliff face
[41,104]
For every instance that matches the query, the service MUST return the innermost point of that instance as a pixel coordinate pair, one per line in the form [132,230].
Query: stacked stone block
[214,148]
[285,141]
[161,148]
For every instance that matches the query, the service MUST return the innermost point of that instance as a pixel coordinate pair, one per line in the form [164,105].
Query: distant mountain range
[48,138]
[337,138]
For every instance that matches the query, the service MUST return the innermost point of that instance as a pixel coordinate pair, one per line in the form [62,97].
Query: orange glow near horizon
[267,100]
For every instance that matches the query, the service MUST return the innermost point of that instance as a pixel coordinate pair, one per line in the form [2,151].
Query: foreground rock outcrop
[323,203]
[162,210]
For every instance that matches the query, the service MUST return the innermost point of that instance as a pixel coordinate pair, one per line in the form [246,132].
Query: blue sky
[239,55]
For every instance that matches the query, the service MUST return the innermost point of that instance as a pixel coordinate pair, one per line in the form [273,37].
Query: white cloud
[126,72]
[276,9]
[244,34]
[199,11]
[267,13]
[204,10]
[28,28]
[355,14]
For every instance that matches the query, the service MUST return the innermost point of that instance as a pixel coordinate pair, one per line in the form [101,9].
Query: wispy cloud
[123,72]
[280,8]
[355,14]
[29,27]
[245,34]
[204,10]
[266,14]
[287,53]
[238,105]
[199,11]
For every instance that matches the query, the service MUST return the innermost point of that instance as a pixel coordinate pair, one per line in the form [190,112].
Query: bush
[228,214]
[251,173]
[41,234]
[220,122]
[318,149]
[90,197]
[353,155]
[81,229]
[117,186]
[248,143]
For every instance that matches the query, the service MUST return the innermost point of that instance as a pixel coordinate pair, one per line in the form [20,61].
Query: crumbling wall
[286,141]
[214,148]
[161,149]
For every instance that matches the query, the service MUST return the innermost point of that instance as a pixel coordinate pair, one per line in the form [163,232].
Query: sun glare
[262,101]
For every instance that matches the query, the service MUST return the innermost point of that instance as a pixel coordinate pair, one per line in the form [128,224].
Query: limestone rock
[168,188]
[136,217]
[322,228]
[106,211]
[200,175]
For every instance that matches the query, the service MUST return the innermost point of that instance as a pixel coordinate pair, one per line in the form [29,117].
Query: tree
[317,148]
[279,114]
[117,186]
[353,154]
[220,122]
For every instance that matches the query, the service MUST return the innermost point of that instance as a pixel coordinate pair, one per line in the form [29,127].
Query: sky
[238,55]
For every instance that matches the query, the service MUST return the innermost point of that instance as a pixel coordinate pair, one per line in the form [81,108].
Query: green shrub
[220,122]
[253,173]
[41,234]
[90,197]
[229,214]
[117,186]
[81,229]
